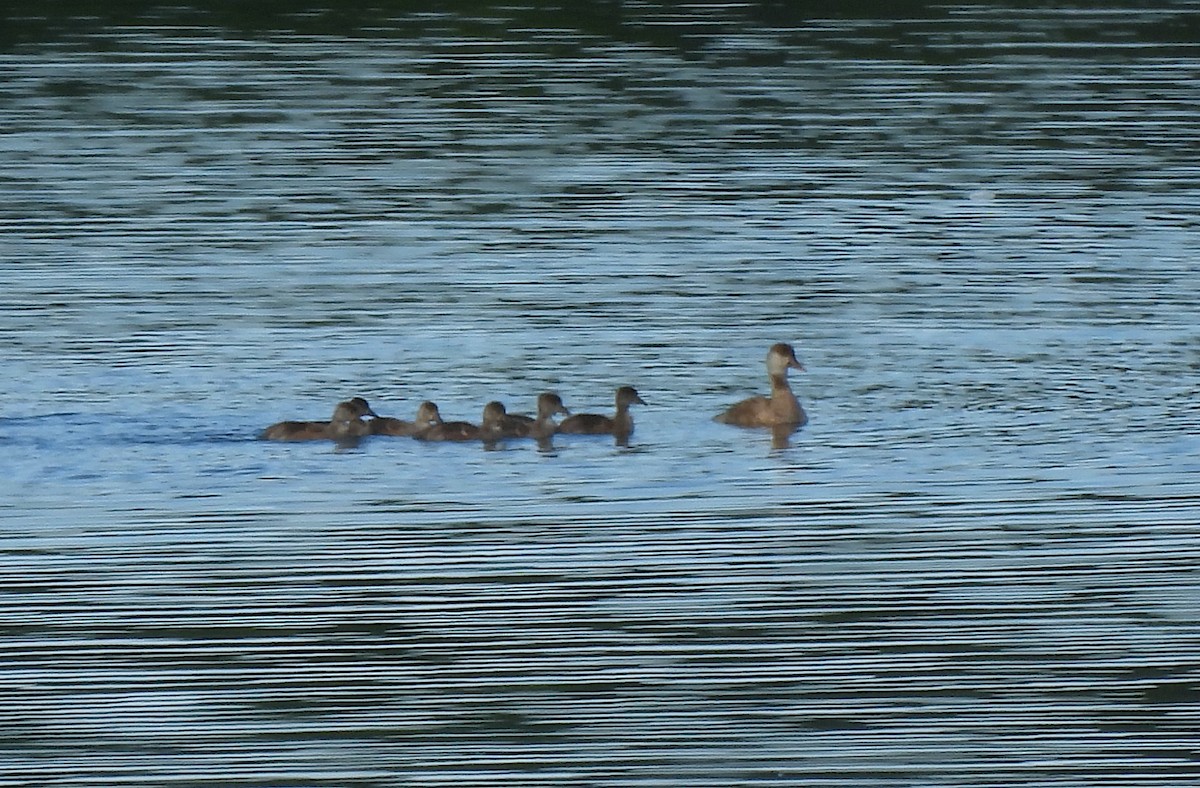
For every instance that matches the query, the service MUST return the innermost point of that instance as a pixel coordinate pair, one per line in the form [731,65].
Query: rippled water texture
[975,566]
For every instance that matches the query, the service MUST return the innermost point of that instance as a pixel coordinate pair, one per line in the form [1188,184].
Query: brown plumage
[516,425]
[427,416]
[781,409]
[498,423]
[346,423]
[549,405]
[620,424]
[439,430]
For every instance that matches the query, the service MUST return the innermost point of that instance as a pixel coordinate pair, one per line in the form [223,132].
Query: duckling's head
[780,358]
[351,410]
[627,395]
[493,413]
[360,407]
[549,404]
[428,414]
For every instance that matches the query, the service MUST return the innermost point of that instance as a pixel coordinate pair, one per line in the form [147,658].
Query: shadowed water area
[976,565]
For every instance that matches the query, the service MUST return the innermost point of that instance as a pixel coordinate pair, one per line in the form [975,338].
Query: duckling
[426,417]
[548,405]
[620,425]
[439,430]
[497,423]
[781,409]
[502,424]
[345,423]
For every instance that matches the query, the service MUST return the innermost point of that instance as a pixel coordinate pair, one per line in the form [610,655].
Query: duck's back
[780,409]
[450,431]
[586,424]
[296,431]
[386,425]
[751,412]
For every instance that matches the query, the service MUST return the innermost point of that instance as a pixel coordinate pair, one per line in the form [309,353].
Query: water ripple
[974,566]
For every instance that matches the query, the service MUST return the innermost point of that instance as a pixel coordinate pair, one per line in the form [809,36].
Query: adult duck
[781,408]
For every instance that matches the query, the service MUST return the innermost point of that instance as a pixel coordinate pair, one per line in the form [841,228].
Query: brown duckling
[620,424]
[781,409]
[497,423]
[346,422]
[439,430]
[427,416]
[502,424]
[549,404]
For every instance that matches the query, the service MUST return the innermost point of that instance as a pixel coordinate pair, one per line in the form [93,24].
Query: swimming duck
[548,405]
[439,430]
[781,409]
[503,424]
[620,425]
[427,416]
[499,423]
[346,423]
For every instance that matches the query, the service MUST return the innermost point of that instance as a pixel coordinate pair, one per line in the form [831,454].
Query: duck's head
[627,395]
[428,414]
[352,410]
[782,357]
[493,413]
[360,407]
[549,404]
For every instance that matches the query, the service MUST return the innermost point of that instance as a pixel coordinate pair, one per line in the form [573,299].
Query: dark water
[976,565]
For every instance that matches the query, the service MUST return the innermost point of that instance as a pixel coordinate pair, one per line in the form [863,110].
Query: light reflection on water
[973,566]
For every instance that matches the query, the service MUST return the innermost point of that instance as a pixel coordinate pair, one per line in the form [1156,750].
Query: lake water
[977,565]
